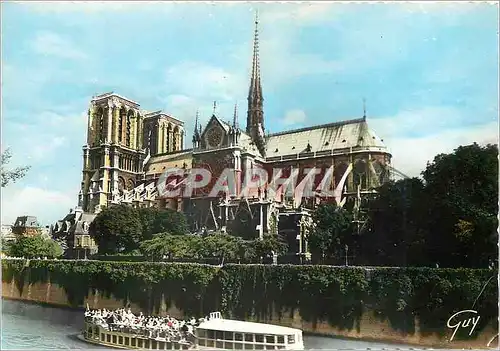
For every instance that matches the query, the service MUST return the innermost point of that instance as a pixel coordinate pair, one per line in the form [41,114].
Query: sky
[428,72]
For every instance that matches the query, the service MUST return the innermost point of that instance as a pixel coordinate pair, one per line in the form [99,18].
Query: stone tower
[114,153]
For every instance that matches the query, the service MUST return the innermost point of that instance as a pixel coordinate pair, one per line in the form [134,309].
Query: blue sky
[428,72]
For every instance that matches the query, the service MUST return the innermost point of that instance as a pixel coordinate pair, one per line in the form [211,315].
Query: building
[73,232]
[128,149]
[26,226]
[7,234]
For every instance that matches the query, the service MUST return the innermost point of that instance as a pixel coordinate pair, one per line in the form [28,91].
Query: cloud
[410,155]
[294,117]
[32,201]
[198,79]
[89,7]
[52,44]
[419,121]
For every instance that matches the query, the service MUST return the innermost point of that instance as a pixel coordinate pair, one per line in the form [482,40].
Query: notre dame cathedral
[129,148]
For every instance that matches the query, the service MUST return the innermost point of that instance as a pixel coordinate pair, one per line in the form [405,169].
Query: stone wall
[370,327]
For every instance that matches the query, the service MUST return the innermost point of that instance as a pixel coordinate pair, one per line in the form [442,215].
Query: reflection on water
[29,326]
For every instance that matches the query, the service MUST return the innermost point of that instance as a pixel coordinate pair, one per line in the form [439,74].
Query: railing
[323,153]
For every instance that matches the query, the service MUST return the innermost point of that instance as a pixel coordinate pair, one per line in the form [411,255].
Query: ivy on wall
[338,295]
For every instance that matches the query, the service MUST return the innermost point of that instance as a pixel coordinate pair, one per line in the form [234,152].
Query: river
[30,326]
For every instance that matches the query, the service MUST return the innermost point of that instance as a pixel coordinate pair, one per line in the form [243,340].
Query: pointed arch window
[128,131]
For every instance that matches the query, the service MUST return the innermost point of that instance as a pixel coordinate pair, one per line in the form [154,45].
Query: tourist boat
[215,333]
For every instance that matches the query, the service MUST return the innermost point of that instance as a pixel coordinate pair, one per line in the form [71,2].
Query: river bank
[189,289]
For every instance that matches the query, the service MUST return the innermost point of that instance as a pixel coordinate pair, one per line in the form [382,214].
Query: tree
[117,229]
[331,231]
[396,235]
[462,199]
[270,244]
[35,247]
[11,176]
[156,221]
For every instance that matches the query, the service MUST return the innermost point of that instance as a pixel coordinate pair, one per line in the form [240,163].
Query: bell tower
[113,154]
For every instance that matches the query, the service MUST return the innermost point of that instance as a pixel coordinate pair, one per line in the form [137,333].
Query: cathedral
[128,149]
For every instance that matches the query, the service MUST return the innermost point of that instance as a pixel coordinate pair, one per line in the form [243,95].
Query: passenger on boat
[163,328]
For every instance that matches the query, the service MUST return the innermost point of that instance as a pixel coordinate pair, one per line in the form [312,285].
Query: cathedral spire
[196,132]
[255,98]
[235,116]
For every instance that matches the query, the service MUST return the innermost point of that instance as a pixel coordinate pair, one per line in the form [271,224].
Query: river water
[33,327]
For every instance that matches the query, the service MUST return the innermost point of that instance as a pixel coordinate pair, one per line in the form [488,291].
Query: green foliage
[220,246]
[34,247]
[338,295]
[156,221]
[332,230]
[12,175]
[116,229]
[447,220]
[462,200]
[121,229]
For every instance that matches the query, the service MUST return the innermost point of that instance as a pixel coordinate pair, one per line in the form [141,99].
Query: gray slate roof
[338,135]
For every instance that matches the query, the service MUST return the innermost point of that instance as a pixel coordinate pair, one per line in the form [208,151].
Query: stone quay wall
[369,326]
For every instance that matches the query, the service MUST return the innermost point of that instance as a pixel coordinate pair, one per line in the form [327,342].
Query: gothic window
[100,135]
[380,172]
[339,172]
[121,185]
[130,185]
[176,134]
[128,128]
[360,177]
[169,132]
[120,126]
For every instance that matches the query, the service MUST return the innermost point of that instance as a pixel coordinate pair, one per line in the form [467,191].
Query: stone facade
[128,150]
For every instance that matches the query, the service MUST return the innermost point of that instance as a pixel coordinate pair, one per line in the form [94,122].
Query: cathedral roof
[326,137]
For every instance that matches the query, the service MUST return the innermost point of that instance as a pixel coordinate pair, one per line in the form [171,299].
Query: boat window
[132,341]
[177,346]
[120,339]
[96,330]
[146,344]
[228,345]
[202,333]
[114,339]
[153,344]
[269,347]
[259,347]
[259,338]
[185,347]
[238,346]
[90,330]
[249,337]
[108,337]
[281,339]
[219,344]
[219,335]
[210,334]
[270,339]
[139,342]
[210,343]
[102,336]
[238,336]
[169,346]
[228,336]
[202,342]
[248,346]
[291,339]
[161,345]
[126,341]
